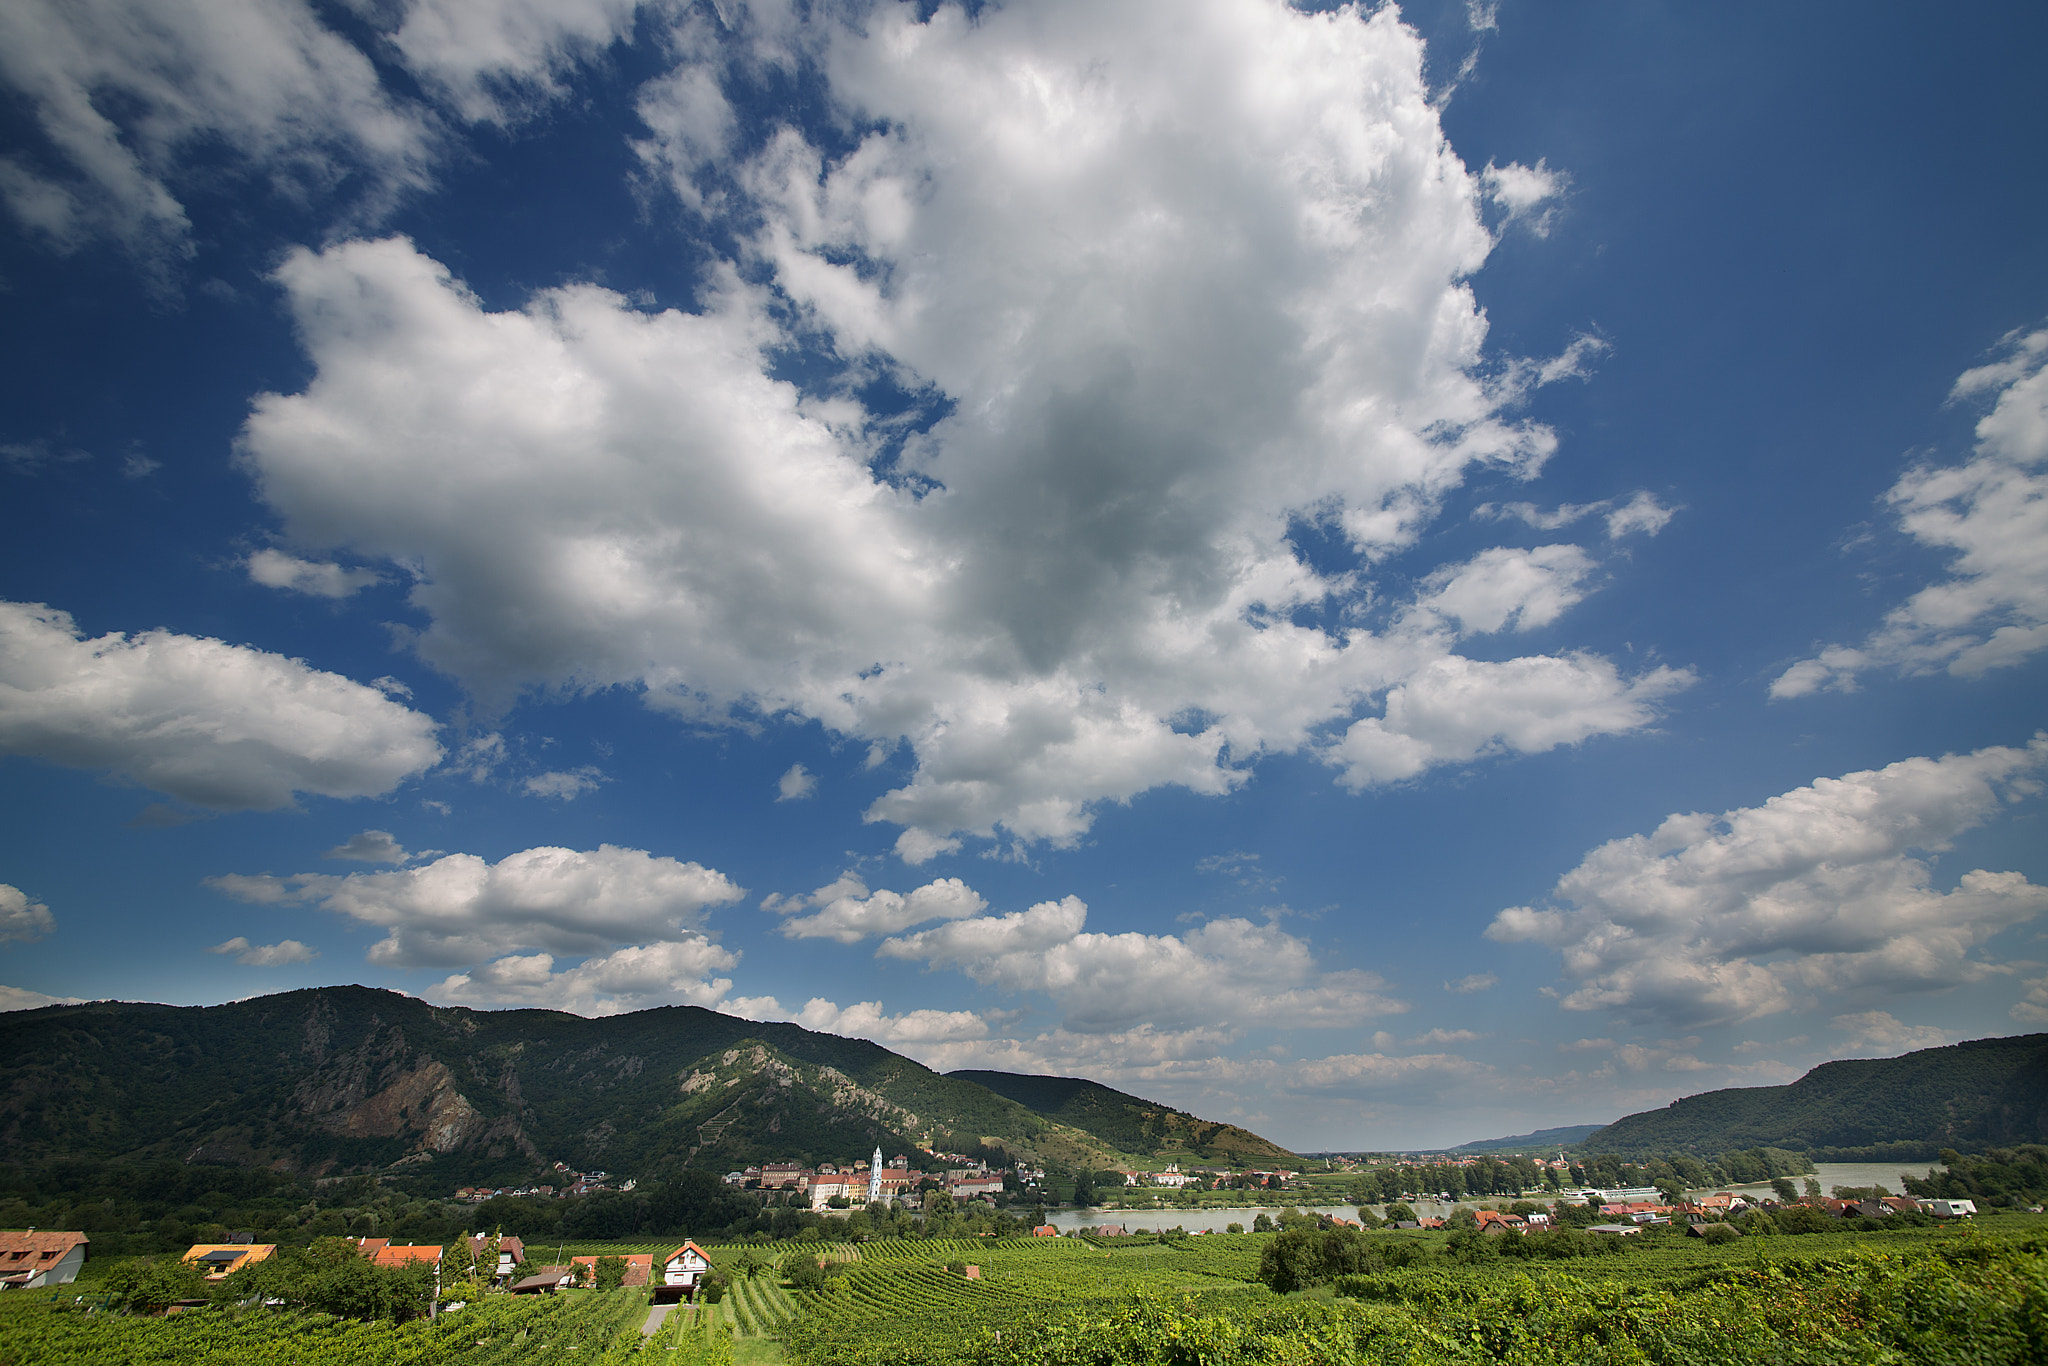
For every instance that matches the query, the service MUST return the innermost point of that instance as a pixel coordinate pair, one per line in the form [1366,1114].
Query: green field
[1973,1294]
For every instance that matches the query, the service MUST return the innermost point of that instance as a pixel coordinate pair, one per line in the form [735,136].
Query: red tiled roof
[38,1241]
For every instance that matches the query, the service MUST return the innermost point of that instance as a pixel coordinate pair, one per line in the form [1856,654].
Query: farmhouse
[31,1260]
[680,1272]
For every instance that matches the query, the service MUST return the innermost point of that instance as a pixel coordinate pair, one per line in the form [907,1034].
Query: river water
[1829,1174]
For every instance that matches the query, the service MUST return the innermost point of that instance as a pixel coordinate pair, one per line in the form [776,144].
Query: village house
[30,1260]
[680,1272]
[394,1255]
[221,1260]
[968,1185]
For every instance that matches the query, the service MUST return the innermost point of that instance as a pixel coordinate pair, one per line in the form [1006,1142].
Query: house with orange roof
[221,1260]
[30,1260]
[681,1271]
[394,1255]
[639,1268]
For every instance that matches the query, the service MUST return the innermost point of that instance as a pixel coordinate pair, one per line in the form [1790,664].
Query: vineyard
[1959,1294]
[601,1329]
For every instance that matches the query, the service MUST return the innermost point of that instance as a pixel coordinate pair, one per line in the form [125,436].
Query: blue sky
[1389,575]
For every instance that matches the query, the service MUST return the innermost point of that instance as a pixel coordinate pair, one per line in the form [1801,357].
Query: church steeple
[875,1176]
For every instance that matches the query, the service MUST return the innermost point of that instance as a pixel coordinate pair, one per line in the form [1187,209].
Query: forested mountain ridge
[1564,1136]
[1138,1126]
[1970,1096]
[335,1080]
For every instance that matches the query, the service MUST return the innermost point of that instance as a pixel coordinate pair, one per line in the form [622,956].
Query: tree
[1783,1188]
[157,1283]
[1398,1213]
[611,1272]
[1812,1188]
[1084,1190]
[1262,1224]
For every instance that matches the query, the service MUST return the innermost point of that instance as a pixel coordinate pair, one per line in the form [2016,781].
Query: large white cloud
[1712,919]
[127,91]
[918,1032]
[21,998]
[22,917]
[462,909]
[1176,275]
[633,978]
[213,724]
[1225,975]
[1991,514]
[848,912]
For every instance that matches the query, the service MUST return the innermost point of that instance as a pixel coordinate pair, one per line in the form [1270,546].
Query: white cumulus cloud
[1711,919]
[1525,191]
[1990,514]
[20,998]
[370,846]
[1228,974]
[796,784]
[633,978]
[266,955]
[214,724]
[275,569]
[23,919]
[1176,274]
[461,909]
[128,95]
[1880,1032]
[848,912]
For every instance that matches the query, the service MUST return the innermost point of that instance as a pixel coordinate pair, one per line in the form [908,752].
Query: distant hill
[338,1080]
[1968,1096]
[1140,1127]
[1567,1136]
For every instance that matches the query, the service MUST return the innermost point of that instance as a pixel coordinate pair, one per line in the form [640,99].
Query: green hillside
[1970,1096]
[1565,1136]
[1140,1127]
[338,1080]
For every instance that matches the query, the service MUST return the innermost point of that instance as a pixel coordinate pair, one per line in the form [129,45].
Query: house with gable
[681,1271]
[30,1260]
[392,1256]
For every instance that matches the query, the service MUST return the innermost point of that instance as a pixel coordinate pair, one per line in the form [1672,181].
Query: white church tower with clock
[875,1177]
